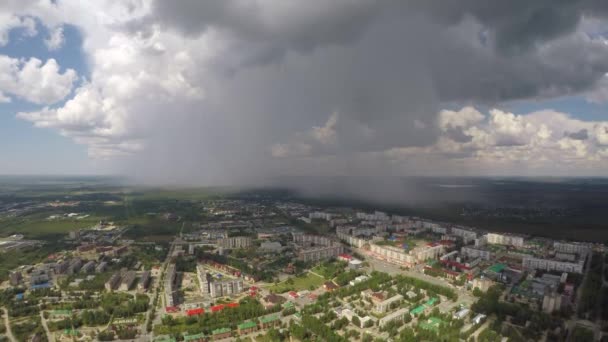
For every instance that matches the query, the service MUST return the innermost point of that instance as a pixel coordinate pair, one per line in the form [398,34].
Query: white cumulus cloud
[35,81]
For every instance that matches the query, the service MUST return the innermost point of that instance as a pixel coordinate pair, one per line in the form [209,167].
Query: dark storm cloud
[458,135]
[514,65]
[516,24]
[583,134]
[387,67]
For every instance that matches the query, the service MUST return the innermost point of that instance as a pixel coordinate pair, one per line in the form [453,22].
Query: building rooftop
[194,337]
[247,325]
[268,319]
[220,331]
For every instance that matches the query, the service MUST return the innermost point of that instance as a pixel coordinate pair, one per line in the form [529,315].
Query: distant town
[268,270]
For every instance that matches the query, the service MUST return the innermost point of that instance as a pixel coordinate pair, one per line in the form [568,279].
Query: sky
[242,91]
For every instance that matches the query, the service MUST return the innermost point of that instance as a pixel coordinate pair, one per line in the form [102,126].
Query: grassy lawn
[190,194]
[330,269]
[299,283]
[40,228]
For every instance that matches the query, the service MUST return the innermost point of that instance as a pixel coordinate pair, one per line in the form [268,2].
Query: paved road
[49,336]
[9,332]
[383,266]
[480,329]
[145,336]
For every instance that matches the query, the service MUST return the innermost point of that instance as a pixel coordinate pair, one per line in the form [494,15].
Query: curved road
[9,332]
[50,337]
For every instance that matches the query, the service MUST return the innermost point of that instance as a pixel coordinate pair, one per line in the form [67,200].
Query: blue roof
[41,286]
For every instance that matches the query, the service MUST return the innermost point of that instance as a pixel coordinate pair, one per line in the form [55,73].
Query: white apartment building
[397,315]
[532,263]
[376,216]
[504,239]
[400,219]
[235,242]
[436,228]
[472,252]
[351,240]
[170,277]
[385,305]
[571,247]
[467,235]
[392,254]
[320,253]
[428,252]
[319,215]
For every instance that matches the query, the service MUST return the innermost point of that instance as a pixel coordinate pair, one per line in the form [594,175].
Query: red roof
[345,256]
[455,264]
[232,305]
[294,294]
[171,309]
[217,308]
[196,311]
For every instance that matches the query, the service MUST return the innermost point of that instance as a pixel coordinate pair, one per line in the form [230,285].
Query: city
[304,170]
[268,270]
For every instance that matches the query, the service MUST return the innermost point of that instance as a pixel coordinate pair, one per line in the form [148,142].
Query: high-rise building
[533,263]
[170,278]
[214,287]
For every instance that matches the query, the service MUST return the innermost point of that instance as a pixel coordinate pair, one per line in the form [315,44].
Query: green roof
[288,305]
[430,302]
[432,324]
[220,331]
[497,268]
[247,325]
[61,312]
[268,319]
[435,320]
[193,337]
[71,332]
[417,310]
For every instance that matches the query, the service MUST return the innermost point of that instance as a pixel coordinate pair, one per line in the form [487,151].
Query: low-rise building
[247,327]
[144,281]
[127,281]
[113,282]
[88,267]
[393,316]
[101,267]
[385,305]
[15,278]
[220,334]
[269,321]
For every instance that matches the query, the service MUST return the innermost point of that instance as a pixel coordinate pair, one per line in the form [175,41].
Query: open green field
[189,194]
[305,282]
[36,228]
